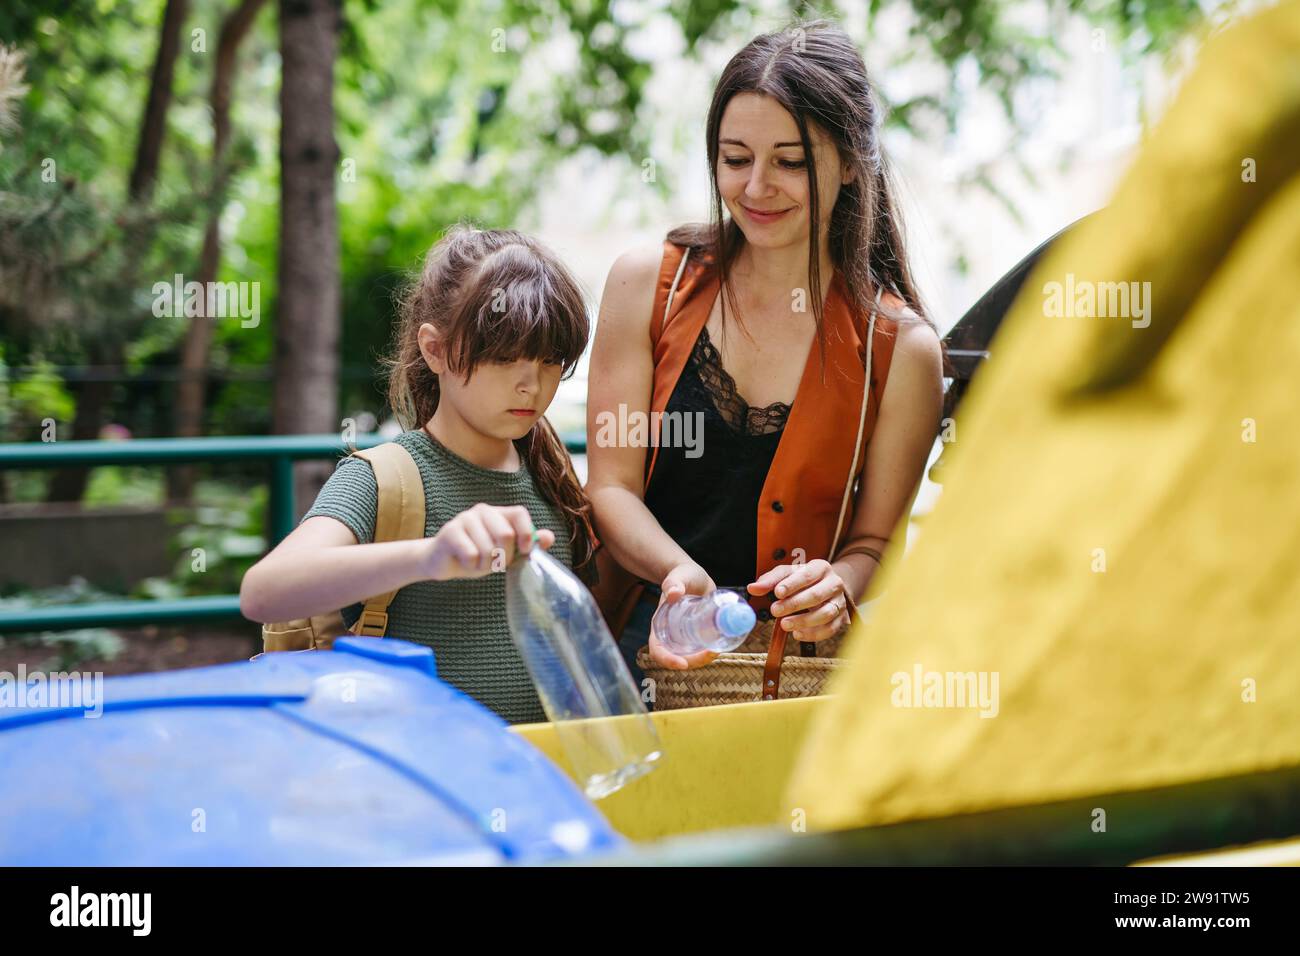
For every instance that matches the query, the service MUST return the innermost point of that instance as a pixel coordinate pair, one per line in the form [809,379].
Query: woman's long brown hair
[816,73]
[496,295]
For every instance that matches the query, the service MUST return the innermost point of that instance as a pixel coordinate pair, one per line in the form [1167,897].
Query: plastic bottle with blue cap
[718,621]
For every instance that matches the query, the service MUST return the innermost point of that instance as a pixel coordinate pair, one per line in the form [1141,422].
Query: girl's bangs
[518,321]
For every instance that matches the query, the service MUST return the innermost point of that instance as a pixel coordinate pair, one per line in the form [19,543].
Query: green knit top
[463,620]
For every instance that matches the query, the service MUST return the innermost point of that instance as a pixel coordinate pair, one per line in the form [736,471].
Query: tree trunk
[308,321]
[191,389]
[69,484]
[154,127]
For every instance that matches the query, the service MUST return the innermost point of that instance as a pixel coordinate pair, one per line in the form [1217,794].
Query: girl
[759,327]
[484,336]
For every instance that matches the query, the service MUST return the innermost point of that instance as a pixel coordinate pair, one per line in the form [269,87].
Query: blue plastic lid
[736,620]
[359,755]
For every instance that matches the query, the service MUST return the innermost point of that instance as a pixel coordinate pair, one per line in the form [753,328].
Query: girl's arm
[622,374]
[320,566]
[810,597]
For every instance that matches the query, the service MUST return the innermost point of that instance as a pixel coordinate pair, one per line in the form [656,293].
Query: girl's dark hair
[813,70]
[496,295]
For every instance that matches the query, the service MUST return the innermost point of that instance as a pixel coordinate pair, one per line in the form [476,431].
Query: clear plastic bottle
[584,685]
[719,621]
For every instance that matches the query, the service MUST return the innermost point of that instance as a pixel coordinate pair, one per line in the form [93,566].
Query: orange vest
[799,509]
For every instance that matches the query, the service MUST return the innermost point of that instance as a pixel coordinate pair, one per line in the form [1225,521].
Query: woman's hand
[684,579]
[480,540]
[812,599]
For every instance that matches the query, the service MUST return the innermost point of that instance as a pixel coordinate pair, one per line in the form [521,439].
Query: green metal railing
[279,451]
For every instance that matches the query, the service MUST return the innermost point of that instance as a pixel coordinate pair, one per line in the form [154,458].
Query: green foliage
[215,544]
[40,394]
[113,485]
[443,112]
[1154,24]
[77,261]
[700,17]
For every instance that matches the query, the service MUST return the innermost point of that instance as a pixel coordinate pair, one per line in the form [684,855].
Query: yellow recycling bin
[723,768]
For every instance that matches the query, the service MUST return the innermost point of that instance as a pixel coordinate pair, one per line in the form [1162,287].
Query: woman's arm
[622,374]
[810,597]
[320,566]
[896,455]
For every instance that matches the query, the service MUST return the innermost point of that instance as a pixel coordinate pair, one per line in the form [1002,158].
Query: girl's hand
[684,579]
[480,540]
[812,600]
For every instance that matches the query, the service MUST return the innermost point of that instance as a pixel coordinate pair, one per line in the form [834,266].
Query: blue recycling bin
[356,756]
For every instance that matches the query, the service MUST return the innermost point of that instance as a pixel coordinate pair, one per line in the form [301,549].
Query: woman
[763,383]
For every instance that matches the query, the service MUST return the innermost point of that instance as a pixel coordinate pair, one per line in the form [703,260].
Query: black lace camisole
[707,480]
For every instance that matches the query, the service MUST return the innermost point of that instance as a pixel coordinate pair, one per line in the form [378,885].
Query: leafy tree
[441,112]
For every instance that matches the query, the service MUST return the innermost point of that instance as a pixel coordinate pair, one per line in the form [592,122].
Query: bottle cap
[736,620]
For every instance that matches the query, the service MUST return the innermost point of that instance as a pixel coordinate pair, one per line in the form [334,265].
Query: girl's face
[762,170]
[500,399]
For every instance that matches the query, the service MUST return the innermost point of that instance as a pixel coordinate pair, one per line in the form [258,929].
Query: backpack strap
[399,517]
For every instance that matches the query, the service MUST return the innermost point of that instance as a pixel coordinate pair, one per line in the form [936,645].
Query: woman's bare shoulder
[917,348]
[905,318]
[630,288]
[638,266]
[916,343]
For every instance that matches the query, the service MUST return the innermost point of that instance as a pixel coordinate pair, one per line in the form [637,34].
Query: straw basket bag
[738,677]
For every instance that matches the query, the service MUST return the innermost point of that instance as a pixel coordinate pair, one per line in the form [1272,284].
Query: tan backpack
[400,516]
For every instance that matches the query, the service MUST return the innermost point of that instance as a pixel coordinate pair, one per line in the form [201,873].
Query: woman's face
[762,169]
